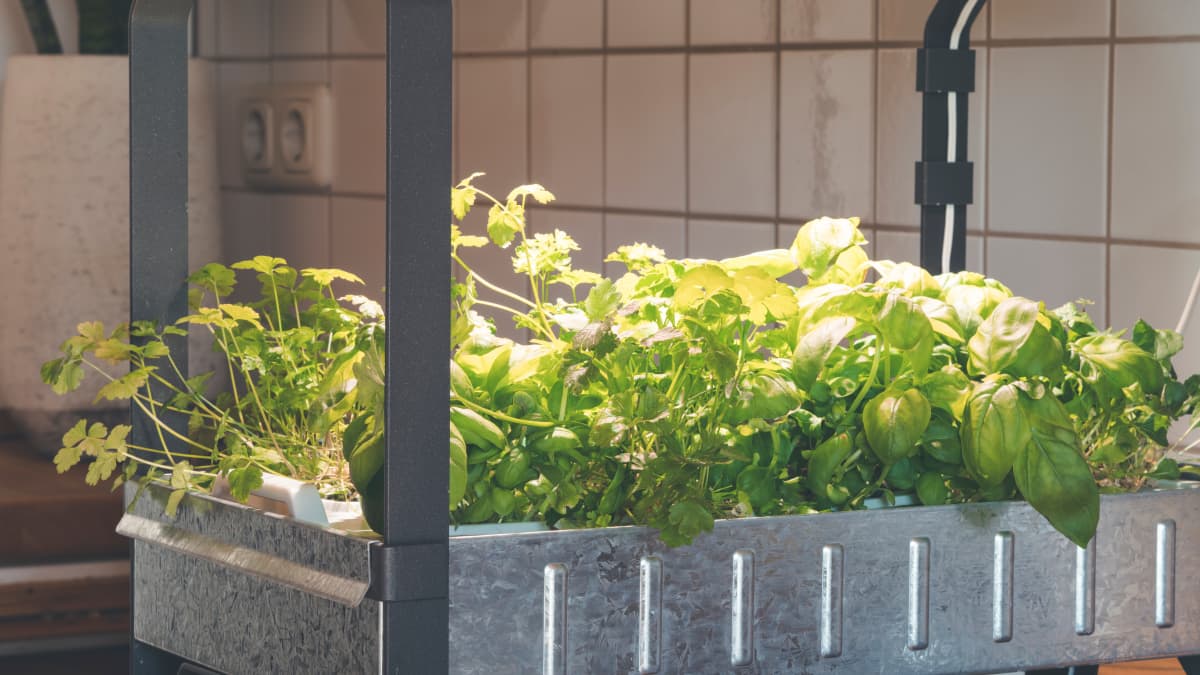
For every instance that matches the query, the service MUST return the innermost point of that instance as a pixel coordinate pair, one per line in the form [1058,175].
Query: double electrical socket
[287,140]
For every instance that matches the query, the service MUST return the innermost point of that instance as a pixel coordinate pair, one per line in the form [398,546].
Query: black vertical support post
[158,195]
[945,75]
[411,567]
[158,175]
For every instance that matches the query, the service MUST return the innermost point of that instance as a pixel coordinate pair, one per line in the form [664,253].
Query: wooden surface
[106,661]
[51,517]
[1158,667]
[50,525]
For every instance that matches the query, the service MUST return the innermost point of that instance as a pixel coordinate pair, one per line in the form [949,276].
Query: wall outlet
[287,137]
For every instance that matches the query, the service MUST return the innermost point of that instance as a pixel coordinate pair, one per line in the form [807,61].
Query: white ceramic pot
[64,221]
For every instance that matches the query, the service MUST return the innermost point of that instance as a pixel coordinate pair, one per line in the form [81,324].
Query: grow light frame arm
[944,177]
[158,213]
[410,570]
[158,180]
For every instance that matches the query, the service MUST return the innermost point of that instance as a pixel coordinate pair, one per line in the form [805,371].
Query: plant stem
[501,416]
[137,400]
[499,306]
[489,285]
[870,378]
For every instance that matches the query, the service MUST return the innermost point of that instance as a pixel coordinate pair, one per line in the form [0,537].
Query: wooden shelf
[64,572]
[50,517]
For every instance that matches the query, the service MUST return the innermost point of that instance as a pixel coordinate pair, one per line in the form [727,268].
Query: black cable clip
[944,70]
[945,183]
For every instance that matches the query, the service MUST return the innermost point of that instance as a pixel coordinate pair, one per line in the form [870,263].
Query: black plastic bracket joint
[945,70]
[392,578]
[945,183]
[941,70]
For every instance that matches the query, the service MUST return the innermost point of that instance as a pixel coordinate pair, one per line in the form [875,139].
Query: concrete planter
[64,218]
[948,589]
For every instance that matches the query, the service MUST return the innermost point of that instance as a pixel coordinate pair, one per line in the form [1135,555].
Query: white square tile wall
[357,27]
[644,130]
[826,20]
[300,70]
[247,217]
[638,23]
[1146,18]
[905,20]
[712,23]
[359,107]
[207,28]
[649,115]
[490,25]
[1156,143]
[1050,18]
[300,27]
[244,28]
[717,239]
[567,125]
[566,23]
[491,114]
[358,241]
[826,134]
[731,123]
[1047,159]
[300,229]
[1054,272]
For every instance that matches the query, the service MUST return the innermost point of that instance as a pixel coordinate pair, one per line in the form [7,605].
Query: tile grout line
[778,112]
[331,225]
[877,35]
[820,45]
[528,4]
[985,211]
[528,91]
[875,99]
[1108,196]
[831,45]
[687,126]
[604,133]
[748,218]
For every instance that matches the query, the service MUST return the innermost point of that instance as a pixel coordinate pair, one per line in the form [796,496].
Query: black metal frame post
[945,75]
[158,197]
[411,568]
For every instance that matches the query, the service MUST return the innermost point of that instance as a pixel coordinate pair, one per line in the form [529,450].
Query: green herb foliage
[681,392]
[689,390]
[298,364]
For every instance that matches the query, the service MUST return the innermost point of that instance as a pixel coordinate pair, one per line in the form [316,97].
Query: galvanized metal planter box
[954,589]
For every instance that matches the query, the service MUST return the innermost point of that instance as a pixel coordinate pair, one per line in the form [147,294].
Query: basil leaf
[1052,474]
[1110,364]
[1040,356]
[894,422]
[815,348]
[998,339]
[825,459]
[993,432]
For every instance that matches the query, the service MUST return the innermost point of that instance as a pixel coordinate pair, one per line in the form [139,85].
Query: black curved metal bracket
[945,76]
